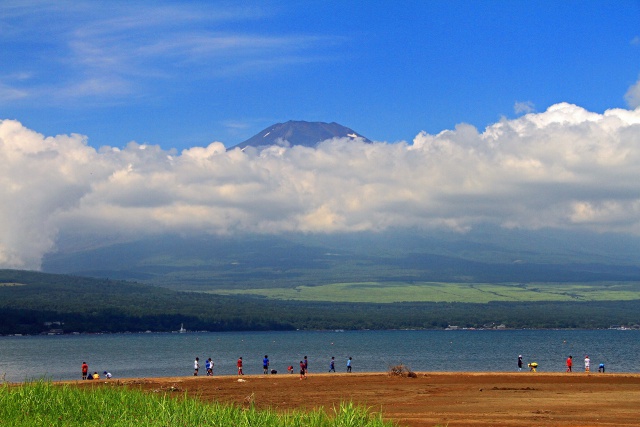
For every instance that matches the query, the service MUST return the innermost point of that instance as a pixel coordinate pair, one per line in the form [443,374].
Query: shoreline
[430,399]
[448,329]
[505,374]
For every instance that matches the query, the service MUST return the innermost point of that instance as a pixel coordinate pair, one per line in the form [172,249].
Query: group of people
[587,364]
[208,366]
[304,366]
[95,376]
[533,366]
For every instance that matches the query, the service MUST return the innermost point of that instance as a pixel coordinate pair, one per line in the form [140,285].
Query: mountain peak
[299,132]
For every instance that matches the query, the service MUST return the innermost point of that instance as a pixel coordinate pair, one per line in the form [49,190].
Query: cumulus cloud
[566,168]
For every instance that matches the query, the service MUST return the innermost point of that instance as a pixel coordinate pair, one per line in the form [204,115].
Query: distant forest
[34,303]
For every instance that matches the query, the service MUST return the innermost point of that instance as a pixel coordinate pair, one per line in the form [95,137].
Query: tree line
[87,305]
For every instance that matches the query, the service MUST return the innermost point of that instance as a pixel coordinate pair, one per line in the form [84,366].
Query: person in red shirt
[240,367]
[303,371]
[569,363]
[85,370]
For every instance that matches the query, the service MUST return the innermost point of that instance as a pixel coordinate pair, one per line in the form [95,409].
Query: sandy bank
[451,399]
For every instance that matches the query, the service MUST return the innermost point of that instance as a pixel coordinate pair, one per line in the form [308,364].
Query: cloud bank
[566,168]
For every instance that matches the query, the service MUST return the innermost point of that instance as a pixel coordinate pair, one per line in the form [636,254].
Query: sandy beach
[430,399]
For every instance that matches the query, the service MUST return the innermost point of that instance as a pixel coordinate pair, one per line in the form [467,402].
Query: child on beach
[569,363]
[239,363]
[196,366]
[265,364]
[303,371]
[349,365]
[85,370]
[332,365]
[587,363]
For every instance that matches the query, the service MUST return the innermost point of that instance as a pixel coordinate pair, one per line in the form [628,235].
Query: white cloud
[633,95]
[112,50]
[525,107]
[8,93]
[566,168]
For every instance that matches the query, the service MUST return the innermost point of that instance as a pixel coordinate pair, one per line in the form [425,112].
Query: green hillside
[393,292]
[32,303]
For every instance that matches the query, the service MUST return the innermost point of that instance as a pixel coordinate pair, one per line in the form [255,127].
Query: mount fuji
[307,134]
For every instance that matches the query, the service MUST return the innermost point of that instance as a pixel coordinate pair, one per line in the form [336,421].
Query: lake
[171,354]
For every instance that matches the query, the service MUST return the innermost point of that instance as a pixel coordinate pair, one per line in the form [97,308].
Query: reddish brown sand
[445,399]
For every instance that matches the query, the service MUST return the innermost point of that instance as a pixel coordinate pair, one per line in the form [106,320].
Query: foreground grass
[391,292]
[45,404]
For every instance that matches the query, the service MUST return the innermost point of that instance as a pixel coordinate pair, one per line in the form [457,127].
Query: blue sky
[184,74]
[115,117]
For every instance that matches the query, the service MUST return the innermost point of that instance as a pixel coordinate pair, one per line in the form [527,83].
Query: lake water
[166,354]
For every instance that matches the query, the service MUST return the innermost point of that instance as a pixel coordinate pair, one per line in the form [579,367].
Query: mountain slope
[210,262]
[308,134]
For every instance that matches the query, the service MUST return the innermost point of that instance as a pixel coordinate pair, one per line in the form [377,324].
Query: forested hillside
[32,303]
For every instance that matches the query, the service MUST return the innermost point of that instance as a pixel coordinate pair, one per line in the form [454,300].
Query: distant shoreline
[322,330]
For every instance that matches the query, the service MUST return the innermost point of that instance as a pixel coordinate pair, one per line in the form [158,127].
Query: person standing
[85,370]
[587,363]
[520,362]
[349,364]
[332,364]
[569,363]
[239,363]
[265,364]
[306,366]
[196,366]
[303,371]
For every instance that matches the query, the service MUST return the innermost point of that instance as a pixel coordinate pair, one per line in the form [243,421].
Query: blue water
[158,354]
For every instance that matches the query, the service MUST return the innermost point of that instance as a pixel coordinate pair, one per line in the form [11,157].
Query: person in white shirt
[587,363]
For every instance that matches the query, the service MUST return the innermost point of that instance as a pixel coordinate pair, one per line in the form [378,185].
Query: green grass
[43,403]
[390,292]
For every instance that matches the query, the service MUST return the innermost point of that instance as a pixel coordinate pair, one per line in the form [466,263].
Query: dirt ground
[431,399]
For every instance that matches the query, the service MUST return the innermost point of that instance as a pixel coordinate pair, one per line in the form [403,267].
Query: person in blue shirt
[265,364]
[332,365]
[349,365]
